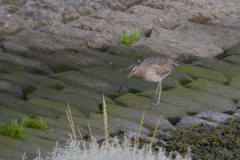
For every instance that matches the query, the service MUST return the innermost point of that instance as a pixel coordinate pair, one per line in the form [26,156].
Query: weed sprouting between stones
[125,40]
[34,123]
[12,129]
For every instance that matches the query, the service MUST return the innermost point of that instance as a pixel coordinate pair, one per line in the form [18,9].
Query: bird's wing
[162,67]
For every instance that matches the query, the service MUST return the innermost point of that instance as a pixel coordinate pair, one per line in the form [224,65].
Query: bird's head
[176,63]
[131,71]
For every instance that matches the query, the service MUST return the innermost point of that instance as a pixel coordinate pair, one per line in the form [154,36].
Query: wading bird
[153,70]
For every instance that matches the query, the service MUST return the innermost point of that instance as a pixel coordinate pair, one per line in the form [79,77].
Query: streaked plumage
[153,70]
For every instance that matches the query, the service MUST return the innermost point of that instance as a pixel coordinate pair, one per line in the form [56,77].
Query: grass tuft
[34,123]
[125,40]
[12,129]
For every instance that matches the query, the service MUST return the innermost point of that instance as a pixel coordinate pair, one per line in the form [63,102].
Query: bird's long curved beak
[123,83]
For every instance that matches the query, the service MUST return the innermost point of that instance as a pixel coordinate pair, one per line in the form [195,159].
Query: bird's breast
[152,77]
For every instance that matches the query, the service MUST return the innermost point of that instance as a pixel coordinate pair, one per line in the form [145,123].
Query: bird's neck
[138,72]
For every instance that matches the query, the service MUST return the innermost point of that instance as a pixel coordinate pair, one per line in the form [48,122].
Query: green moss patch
[203,73]
[173,105]
[235,82]
[215,89]
[225,68]
[206,100]
[58,108]
[234,59]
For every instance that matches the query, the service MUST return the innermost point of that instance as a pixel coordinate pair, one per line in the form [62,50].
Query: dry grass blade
[140,128]
[90,130]
[155,130]
[82,139]
[105,120]
[135,138]
[69,116]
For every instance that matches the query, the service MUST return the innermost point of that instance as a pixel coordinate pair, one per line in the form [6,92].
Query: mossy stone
[11,89]
[57,107]
[232,51]
[7,115]
[20,63]
[150,119]
[204,73]
[235,82]
[29,82]
[173,105]
[18,105]
[138,103]
[82,103]
[133,52]
[117,77]
[88,82]
[208,101]
[62,124]
[234,59]
[215,88]
[181,76]
[169,83]
[225,68]
[78,91]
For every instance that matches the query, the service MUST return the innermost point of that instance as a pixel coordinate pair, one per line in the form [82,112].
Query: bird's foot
[156,104]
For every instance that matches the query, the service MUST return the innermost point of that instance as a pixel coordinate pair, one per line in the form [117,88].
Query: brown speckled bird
[153,70]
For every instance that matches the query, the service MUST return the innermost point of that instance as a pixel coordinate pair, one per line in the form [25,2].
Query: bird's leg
[158,91]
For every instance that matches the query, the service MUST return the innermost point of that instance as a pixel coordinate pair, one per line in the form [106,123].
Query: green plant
[34,123]
[128,41]
[12,129]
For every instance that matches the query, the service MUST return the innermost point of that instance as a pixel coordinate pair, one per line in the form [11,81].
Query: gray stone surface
[89,82]
[29,82]
[52,52]
[37,42]
[200,47]
[127,19]
[11,89]
[217,117]
[21,106]
[117,77]
[161,18]
[220,38]
[26,64]
[188,121]
[82,103]
[190,12]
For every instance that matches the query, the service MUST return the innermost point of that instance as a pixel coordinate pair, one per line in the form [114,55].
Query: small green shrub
[34,123]
[12,130]
[128,41]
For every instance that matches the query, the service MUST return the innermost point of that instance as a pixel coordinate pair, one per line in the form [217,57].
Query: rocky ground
[55,52]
